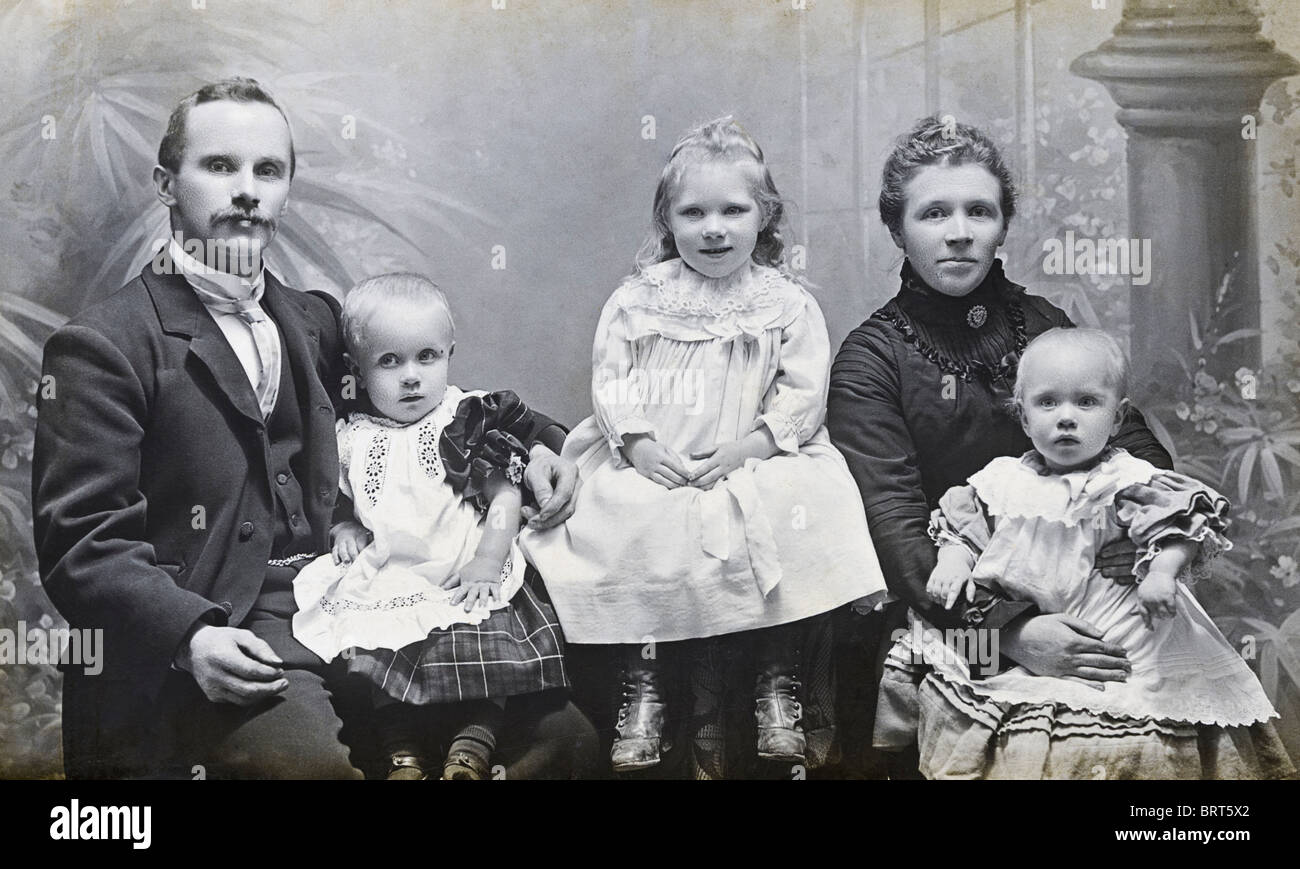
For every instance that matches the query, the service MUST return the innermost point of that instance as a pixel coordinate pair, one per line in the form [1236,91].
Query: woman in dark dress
[918,403]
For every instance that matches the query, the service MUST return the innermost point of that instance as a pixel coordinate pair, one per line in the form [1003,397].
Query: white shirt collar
[223,283]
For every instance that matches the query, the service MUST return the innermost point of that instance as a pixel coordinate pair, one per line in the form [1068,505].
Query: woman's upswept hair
[1096,343]
[720,140]
[396,288]
[935,141]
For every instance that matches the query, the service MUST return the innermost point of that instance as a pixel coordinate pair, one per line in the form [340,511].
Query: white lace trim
[426,430]
[427,449]
[681,290]
[1229,697]
[751,301]
[1210,545]
[335,605]
[376,467]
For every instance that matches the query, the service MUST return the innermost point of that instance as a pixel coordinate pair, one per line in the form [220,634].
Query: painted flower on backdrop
[1287,570]
[1199,415]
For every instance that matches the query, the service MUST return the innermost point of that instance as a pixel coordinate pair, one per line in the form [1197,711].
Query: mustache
[233,213]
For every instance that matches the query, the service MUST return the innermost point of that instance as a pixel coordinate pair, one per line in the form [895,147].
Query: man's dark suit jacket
[152,492]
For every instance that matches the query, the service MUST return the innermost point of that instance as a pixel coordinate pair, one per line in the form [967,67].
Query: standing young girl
[1031,528]
[712,501]
[424,593]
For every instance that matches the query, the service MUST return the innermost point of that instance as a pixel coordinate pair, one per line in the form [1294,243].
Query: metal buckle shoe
[406,767]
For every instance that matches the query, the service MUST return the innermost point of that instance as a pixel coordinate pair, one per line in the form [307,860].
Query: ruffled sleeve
[1173,507]
[616,397]
[795,403]
[484,442]
[961,520]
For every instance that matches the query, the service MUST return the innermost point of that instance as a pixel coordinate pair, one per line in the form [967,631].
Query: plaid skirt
[519,650]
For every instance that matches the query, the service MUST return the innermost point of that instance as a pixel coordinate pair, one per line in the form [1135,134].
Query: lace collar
[672,299]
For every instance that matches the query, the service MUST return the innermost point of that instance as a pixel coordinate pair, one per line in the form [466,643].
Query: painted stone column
[1185,73]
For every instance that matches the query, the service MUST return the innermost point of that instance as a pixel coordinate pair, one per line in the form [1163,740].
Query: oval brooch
[977,316]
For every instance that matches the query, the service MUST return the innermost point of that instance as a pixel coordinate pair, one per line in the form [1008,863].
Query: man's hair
[238,90]
[381,291]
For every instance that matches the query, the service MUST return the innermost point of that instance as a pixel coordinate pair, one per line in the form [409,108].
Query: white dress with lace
[1046,532]
[697,362]
[390,596]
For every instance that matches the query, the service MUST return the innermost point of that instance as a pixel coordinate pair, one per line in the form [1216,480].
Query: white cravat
[233,303]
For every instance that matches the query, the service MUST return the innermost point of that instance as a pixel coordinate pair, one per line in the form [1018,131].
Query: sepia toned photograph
[649,390]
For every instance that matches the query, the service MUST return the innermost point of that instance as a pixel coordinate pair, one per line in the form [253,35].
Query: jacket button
[246,531]
[293,520]
[225,605]
[282,478]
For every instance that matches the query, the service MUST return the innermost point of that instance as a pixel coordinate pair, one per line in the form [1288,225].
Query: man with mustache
[186,466]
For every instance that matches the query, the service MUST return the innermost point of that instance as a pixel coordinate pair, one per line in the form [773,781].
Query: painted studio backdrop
[509,149]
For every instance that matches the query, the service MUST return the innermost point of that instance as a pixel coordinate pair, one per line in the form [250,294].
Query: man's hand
[1056,644]
[1156,595]
[349,539]
[655,462]
[231,665]
[1116,560]
[554,483]
[478,580]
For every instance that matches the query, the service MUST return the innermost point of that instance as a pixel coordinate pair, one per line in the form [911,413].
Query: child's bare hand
[947,580]
[718,462]
[349,539]
[1156,596]
[656,462]
[479,580]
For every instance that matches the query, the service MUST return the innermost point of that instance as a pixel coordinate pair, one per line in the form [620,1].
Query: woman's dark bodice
[920,400]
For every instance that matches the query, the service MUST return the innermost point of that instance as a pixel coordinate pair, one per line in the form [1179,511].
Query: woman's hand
[478,580]
[1056,644]
[349,539]
[1116,560]
[655,462]
[1156,595]
[951,574]
[724,458]
[553,480]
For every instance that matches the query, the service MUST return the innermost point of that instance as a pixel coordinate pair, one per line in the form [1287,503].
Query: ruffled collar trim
[674,300]
[1025,487]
